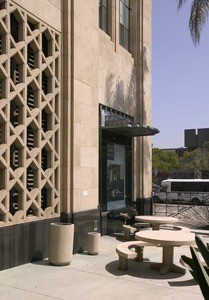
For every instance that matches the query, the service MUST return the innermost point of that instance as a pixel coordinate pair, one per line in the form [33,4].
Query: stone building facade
[75,99]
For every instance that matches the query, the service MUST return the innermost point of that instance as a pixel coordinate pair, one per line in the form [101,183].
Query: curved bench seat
[130,250]
[131,229]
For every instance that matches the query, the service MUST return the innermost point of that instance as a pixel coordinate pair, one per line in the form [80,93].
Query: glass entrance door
[116,176]
[115,171]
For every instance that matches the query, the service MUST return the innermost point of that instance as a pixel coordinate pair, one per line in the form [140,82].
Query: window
[125,24]
[103,15]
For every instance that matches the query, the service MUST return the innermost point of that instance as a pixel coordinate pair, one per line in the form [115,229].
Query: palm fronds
[180,3]
[198,17]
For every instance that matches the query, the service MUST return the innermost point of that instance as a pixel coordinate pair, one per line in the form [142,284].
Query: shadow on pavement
[189,282]
[140,270]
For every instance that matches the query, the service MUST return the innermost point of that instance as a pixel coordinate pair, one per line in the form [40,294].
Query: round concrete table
[156,221]
[168,240]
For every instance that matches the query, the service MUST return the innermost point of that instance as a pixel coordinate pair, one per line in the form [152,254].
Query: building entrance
[116,176]
[115,171]
[115,161]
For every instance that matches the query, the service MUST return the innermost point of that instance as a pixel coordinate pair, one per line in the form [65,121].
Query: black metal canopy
[131,130]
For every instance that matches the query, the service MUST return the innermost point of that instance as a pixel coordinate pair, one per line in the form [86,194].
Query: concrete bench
[130,250]
[131,229]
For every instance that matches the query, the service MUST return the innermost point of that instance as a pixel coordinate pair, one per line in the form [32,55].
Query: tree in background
[198,17]
[164,161]
[192,161]
[196,160]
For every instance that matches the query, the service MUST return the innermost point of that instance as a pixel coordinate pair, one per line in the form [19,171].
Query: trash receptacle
[61,243]
[93,243]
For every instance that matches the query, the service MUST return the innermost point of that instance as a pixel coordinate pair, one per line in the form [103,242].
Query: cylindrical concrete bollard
[93,243]
[61,243]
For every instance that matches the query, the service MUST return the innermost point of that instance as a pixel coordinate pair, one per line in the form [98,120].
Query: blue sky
[180,75]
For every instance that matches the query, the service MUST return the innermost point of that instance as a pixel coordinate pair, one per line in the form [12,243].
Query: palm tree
[198,17]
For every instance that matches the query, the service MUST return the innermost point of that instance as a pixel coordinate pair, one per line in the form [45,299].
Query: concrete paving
[96,277]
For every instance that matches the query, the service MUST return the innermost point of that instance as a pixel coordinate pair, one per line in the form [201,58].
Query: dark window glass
[205,186]
[125,24]
[103,15]
[189,187]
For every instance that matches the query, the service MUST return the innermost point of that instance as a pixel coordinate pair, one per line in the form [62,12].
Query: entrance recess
[115,172]
[115,177]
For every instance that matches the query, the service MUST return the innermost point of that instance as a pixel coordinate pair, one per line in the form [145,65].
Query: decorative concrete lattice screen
[29,117]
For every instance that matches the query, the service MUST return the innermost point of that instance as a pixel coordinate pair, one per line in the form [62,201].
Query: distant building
[179,151]
[193,138]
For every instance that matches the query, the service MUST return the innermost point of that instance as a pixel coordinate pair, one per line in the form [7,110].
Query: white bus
[187,191]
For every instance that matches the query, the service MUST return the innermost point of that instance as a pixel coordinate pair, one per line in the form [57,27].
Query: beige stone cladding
[96,69]
[143,146]
[85,126]
[29,110]
[106,73]
[125,84]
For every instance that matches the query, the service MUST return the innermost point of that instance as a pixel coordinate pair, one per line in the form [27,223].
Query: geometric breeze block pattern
[29,117]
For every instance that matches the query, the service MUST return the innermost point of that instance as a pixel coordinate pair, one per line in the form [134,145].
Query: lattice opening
[31,57]
[57,68]
[56,178]
[16,70]
[14,113]
[44,159]
[45,126]
[3,179]
[2,89]
[30,138]
[2,5]
[13,201]
[16,26]
[44,83]
[14,157]
[30,97]
[2,133]
[44,198]
[45,47]
[30,179]
[1,45]
[2,216]
[32,23]
[46,43]
[57,38]
[2,40]
[57,105]
[57,142]
[32,210]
